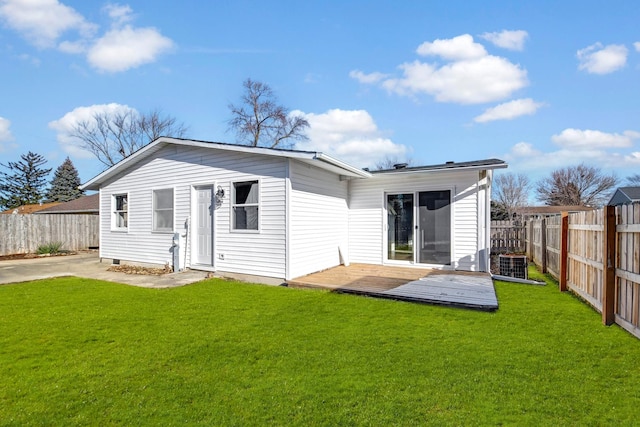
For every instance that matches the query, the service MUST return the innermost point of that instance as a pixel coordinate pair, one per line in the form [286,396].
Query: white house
[281,214]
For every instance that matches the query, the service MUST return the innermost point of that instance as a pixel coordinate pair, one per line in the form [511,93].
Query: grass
[84,352]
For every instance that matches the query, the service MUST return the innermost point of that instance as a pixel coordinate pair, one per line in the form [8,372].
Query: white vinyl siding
[367,233]
[181,168]
[318,219]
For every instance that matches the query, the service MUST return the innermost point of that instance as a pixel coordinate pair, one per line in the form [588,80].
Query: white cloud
[350,135]
[470,76]
[120,14]
[42,22]
[5,132]
[367,78]
[509,110]
[591,139]
[598,59]
[637,46]
[613,152]
[122,49]
[65,125]
[6,137]
[486,79]
[512,40]
[30,59]
[524,149]
[455,49]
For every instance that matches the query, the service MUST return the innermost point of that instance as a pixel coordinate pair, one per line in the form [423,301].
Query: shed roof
[84,204]
[313,157]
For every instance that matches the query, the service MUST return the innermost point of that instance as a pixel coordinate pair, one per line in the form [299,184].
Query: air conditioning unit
[514,266]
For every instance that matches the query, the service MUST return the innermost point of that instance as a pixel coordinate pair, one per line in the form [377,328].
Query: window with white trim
[163,210]
[120,205]
[245,205]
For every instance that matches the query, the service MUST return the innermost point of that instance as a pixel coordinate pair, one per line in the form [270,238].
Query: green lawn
[76,351]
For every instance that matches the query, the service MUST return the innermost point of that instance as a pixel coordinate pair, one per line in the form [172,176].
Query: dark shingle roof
[489,164]
[84,204]
[633,193]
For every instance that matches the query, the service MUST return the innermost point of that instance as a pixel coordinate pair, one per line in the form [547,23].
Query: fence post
[564,251]
[531,247]
[543,244]
[609,266]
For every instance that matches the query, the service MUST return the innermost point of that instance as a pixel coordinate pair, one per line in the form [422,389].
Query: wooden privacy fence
[543,243]
[507,237]
[595,254]
[23,234]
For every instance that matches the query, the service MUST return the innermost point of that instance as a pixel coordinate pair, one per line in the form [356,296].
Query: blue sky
[542,84]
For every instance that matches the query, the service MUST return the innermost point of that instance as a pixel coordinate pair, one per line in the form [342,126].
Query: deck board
[461,289]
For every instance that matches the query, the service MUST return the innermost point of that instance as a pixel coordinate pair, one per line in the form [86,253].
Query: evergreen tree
[65,183]
[25,181]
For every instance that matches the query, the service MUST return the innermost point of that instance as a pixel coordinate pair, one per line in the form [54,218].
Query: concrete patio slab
[90,266]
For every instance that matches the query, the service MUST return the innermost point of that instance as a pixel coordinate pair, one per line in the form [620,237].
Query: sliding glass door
[434,227]
[400,227]
[419,232]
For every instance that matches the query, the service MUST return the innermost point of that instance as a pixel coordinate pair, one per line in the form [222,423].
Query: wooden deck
[460,289]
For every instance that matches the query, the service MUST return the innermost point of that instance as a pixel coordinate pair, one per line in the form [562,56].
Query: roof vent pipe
[400,165]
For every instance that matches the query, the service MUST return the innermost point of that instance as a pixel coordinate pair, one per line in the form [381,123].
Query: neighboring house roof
[29,209]
[82,205]
[625,195]
[312,157]
[476,164]
[551,210]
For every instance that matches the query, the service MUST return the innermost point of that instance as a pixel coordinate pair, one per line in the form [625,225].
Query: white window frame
[115,212]
[154,210]
[235,205]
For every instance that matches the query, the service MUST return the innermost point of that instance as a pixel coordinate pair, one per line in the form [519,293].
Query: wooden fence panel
[536,241]
[23,234]
[553,239]
[507,237]
[585,249]
[627,302]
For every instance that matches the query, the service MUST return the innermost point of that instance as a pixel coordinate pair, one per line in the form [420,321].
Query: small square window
[245,205]
[163,210]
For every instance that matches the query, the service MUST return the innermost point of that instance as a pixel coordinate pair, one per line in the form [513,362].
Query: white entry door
[204,226]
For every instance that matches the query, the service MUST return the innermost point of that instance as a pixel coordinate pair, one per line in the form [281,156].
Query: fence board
[585,266]
[23,234]
[627,304]
[507,237]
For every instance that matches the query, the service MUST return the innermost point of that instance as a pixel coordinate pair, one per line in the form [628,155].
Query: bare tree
[580,185]
[260,121]
[633,180]
[390,162]
[112,136]
[511,192]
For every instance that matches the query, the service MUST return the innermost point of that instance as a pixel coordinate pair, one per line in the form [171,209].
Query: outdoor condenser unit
[514,266]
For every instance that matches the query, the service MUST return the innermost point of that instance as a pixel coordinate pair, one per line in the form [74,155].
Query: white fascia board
[454,169]
[347,169]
